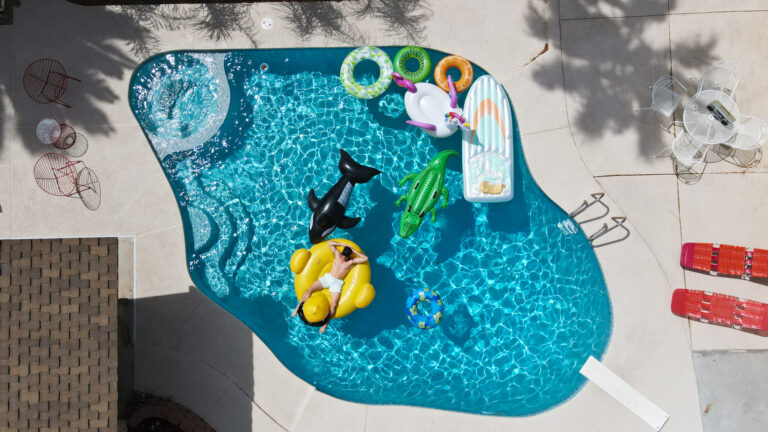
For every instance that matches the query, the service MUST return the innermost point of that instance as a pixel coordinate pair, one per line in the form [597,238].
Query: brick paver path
[58,334]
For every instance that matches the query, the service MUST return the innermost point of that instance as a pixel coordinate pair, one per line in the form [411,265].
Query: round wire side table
[47,131]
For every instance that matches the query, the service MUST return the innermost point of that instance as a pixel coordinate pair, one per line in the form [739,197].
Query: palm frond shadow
[603,60]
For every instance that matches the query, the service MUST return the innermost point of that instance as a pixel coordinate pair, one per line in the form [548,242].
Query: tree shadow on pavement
[91,42]
[404,18]
[609,63]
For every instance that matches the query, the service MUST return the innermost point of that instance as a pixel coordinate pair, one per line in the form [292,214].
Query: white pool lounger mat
[612,384]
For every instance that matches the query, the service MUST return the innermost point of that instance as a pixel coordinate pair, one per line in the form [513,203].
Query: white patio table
[711,117]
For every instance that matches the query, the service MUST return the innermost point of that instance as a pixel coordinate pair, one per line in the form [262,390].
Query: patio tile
[656,362]
[536,88]
[603,412]
[276,389]
[385,418]
[692,6]
[651,203]
[236,412]
[6,108]
[555,151]
[323,412]
[163,297]
[608,66]
[254,36]
[216,337]
[730,394]
[536,93]
[456,422]
[186,379]
[700,39]
[723,208]
[639,290]
[5,200]
[570,9]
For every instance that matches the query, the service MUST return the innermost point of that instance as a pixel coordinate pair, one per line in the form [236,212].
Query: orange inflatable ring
[441,73]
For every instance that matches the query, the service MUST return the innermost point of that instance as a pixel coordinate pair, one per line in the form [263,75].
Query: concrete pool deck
[574,103]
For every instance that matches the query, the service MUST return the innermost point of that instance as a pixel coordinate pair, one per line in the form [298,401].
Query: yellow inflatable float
[310,265]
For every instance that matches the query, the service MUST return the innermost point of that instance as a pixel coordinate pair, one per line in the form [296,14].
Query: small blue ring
[420,320]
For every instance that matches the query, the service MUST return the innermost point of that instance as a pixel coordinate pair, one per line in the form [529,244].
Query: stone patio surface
[575,70]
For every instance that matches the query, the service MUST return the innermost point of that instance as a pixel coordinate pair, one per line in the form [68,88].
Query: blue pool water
[525,304]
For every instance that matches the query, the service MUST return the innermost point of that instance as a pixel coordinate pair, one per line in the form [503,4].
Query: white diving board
[612,384]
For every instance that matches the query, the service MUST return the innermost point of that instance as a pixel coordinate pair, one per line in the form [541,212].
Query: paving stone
[58,356]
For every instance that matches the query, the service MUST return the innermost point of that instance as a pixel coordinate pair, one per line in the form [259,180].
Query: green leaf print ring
[348,72]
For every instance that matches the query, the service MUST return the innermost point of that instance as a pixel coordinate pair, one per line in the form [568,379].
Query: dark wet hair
[347,252]
[310,323]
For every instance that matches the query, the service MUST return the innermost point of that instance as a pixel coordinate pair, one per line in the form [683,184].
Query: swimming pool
[243,135]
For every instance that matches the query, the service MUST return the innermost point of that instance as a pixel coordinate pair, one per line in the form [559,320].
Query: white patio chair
[721,76]
[689,156]
[751,134]
[666,95]
[747,144]
[688,151]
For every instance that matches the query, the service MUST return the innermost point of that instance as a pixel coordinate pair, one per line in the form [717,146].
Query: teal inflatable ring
[348,72]
[413,52]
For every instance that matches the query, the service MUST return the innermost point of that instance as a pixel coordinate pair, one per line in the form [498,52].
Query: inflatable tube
[413,52]
[420,320]
[467,73]
[348,72]
[431,106]
[309,265]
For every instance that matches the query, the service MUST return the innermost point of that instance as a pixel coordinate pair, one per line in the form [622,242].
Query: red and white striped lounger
[725,259]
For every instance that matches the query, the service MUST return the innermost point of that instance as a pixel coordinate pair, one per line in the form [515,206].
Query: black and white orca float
[328,212]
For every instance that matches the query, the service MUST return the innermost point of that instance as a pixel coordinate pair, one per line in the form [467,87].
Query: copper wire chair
[45,81]
[59,176]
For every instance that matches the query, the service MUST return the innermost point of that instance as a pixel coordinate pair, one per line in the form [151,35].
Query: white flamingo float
[430,108]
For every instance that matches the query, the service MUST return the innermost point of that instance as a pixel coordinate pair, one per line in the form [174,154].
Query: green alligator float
[424,194]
